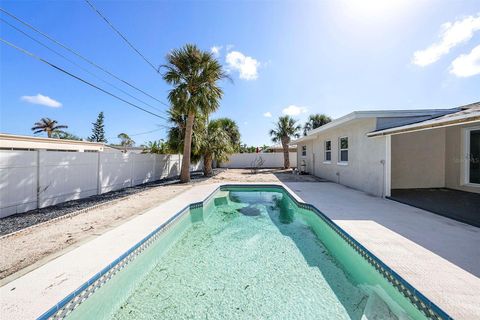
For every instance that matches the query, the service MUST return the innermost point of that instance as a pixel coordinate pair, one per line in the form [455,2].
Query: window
[304,151]
[343,150]
[473,155]
[328,151]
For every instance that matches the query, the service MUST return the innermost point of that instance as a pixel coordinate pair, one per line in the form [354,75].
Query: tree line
[195,93]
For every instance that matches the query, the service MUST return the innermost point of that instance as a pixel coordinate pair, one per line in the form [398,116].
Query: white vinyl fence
[247,160]
[37,179]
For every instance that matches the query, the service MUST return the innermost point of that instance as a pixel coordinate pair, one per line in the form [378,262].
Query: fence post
[38,179]
[132,171]
[99,174]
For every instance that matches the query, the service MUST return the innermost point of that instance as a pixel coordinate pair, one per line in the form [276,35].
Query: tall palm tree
[125,141]
[176,133]
[284,130]
[216,144]
[47,125]
[314,121]
[194,75]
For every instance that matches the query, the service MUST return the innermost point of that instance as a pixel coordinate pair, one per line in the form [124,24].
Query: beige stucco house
[381,151]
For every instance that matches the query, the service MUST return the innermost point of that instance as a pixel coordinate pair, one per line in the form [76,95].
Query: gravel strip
[30,218]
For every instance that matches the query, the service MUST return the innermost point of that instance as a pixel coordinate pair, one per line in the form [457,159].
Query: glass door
[474,157]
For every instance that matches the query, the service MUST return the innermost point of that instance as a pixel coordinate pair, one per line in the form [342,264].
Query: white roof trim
[429,124]
[364,114]
[13,137]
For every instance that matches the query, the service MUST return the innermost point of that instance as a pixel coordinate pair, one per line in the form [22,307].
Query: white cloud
[293,110]
[267,114]
[215,50]
[245,65]
[42,100]
[467,65]
[451,35]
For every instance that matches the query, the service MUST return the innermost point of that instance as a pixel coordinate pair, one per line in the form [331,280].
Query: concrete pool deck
[437,255]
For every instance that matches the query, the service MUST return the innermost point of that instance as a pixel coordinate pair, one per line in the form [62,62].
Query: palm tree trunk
[286,156]
[187,149]
[207,165]
[49,133]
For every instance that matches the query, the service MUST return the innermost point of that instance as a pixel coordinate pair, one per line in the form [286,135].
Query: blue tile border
[74,299]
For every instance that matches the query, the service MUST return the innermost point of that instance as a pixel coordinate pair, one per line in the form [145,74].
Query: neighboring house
[28,143]
[381,151]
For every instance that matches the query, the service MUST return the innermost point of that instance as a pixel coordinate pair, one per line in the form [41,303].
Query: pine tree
[98,131]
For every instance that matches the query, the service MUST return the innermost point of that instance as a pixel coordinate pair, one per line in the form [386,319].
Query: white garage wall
[31,179]
[245,160]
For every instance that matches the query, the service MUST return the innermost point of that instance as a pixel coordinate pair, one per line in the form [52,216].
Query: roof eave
[427,125]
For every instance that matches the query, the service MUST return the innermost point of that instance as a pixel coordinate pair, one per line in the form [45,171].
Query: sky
[284,57]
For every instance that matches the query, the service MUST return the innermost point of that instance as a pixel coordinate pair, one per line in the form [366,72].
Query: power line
[76,64]
[80,56]
[78,78]
[142,133]
[121,35]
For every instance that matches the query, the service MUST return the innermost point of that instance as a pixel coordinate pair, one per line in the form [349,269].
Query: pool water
[248,254]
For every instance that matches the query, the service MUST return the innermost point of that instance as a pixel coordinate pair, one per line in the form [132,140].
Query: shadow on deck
[458,205]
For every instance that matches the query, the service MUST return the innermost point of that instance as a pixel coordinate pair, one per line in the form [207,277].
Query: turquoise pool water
[248,254]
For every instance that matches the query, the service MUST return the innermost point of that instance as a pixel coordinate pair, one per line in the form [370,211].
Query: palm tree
[47,125]
[194,75]
[231,128]
[216,144]
[285,129]
[125,141]
[314,121]
[176,134]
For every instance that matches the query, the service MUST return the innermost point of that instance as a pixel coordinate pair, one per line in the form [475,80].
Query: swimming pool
[247,252]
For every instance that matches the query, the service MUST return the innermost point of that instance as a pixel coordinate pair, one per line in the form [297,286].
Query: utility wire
[79,66]
[121,35]
[142,133]
[80,56]
[78,78]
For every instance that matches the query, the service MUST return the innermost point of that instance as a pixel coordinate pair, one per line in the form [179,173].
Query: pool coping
[61,309]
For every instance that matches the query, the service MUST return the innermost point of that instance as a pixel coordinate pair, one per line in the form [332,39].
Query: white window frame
[304,150]
[466,157]
[325,152]
[339,161]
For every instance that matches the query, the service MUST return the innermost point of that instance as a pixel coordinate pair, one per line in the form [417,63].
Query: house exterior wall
[418,159]
[364,170]
[430,159]
[307,159]
[249,160]
[454,159]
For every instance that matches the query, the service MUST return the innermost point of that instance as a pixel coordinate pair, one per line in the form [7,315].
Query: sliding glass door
[473,167]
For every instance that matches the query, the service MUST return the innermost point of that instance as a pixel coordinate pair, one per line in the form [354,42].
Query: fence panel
[66,176]
[143,168]
[18,182]
[246,160]
[116,171]
[31,179]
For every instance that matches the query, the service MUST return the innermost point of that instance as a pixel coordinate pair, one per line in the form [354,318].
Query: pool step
[377,309]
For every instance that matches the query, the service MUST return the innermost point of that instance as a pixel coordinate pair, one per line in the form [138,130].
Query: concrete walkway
[438,256]
[29,296]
